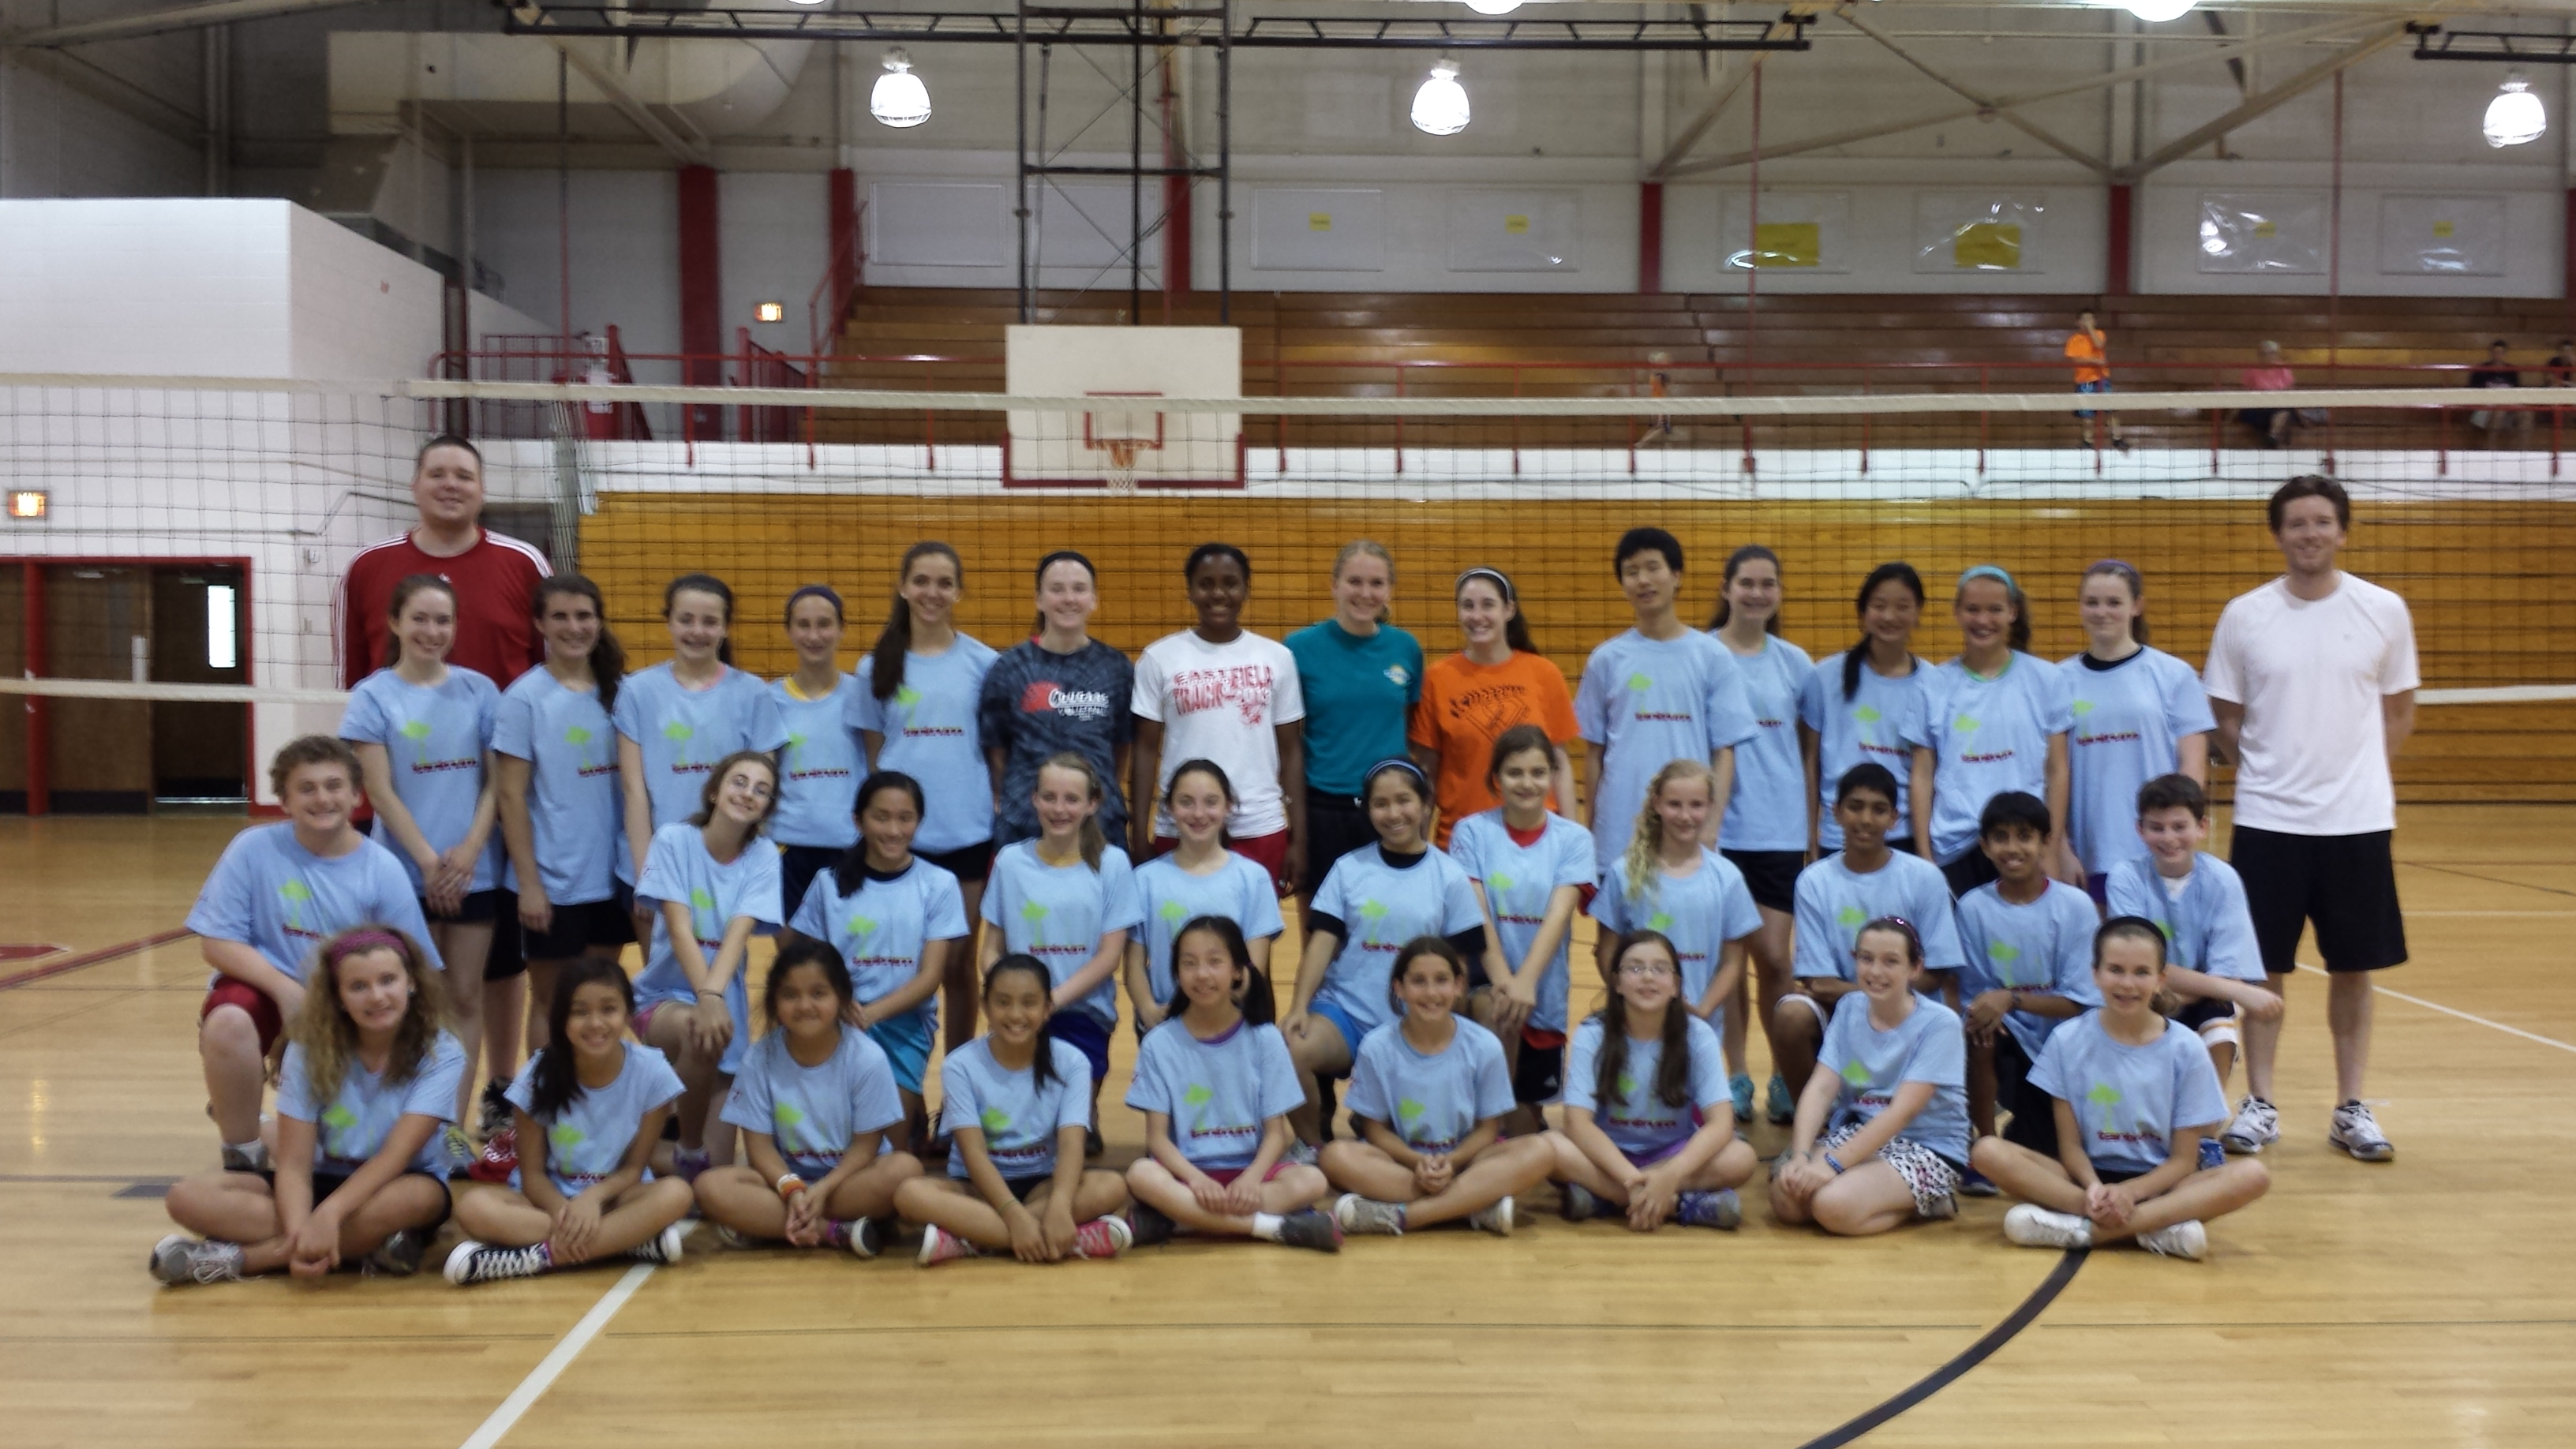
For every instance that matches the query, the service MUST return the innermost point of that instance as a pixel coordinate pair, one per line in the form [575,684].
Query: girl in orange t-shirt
[1468,699]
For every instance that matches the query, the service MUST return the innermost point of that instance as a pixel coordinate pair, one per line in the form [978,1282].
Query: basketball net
[1120,475]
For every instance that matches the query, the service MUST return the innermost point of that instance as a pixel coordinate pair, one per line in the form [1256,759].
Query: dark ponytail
[1042,1065]
[704,584]
[1516,629]
[1672,1071]
[885,661]
[1858,654]
[555,1083]
[607,656]
[1735,563]
[1258,1005]
[2127,573]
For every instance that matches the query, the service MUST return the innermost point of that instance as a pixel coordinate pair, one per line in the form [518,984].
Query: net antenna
[1119,434]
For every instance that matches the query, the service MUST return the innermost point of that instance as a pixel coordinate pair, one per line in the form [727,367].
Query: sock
[546,1251]
[836,1233]
[1402,1219]
[250,1149]
[1265,1226]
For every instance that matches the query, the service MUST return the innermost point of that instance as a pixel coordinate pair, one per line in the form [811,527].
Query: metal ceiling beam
[2432,42]
[1159,28]
[2296,86]
[1986,104]
[156,22]
[686,153]
[2302,36]
[1697,126]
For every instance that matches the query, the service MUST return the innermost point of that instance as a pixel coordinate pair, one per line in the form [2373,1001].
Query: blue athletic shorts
[906,1040]
[1340,1017]
[1082,1029]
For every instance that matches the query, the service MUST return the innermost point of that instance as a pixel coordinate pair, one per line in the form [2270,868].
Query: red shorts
[262,1007]
[1270,852]
[1225,1176]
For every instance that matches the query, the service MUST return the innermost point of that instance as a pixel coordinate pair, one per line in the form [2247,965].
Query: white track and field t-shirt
[1222,703]
[2311,674]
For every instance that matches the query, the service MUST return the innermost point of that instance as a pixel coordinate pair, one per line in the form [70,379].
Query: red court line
[93,958]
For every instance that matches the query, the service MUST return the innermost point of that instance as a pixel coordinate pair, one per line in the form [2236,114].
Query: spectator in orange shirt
[2088,347]
[2269,374]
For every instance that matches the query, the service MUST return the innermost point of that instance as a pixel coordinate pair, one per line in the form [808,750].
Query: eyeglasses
[1645,970]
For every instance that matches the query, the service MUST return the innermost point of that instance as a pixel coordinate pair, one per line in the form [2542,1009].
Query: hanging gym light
[1440,107]
[900,99]
[1493,7]
[2515,116]
[2157,12]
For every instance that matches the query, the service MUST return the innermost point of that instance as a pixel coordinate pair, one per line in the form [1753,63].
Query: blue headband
[1421,782]
[1990,571]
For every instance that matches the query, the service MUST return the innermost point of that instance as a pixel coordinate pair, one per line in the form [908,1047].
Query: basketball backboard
[1125,440]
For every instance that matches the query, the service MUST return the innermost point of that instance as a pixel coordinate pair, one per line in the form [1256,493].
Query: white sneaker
[179,1260]
[663,1247]
[2186,1239]
[1495,1219]
[2033,1226]
[2357,1132]
[474,1262]
[1358,1214]
[2256,1127]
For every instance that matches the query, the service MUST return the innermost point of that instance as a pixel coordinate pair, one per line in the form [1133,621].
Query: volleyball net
[261,492]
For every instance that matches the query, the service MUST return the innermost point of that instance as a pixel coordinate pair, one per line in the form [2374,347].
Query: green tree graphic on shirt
[1198,1095]
[679,735]
[1372,912]
[994,1121]
[1627,1085]
[1032,912]
[2083,707]
[2004,954]
[295,893]
[563,1137]
[417,731]
[1660,921]
[791,1121]
[1496,880]
[702,911]
[796,751]
[579,738]
[1867,717]
[1855,1075]
[1851,918]
[859,926]
[1966,724]
[909,699]
[1174,914]
[340,1121]
[1640,683]
[2105,1099]
[1408,1116]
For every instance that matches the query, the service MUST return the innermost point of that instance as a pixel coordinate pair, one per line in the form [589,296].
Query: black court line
[2492,880]
[1373,1325]
[92,958]
[1968,1358]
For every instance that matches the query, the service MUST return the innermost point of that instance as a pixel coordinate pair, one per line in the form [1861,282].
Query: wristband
[2012,1001]
[789,1184]
[1835,1163]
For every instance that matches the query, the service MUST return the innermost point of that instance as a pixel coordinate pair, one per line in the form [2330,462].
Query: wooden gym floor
[2429,1302]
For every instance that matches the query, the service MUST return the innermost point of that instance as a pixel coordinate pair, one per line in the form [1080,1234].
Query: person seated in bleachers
[2497,372]
[2269,374]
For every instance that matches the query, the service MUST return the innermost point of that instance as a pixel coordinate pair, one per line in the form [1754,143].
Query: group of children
[689,807]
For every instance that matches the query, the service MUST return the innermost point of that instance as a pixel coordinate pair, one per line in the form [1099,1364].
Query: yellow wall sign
[1987,246]
[2267,229]
[1319,221]
[2445,229]
[1516,224]
[1788,244]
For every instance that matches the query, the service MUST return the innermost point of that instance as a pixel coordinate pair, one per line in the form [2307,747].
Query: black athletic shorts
[1539,1075]
[2200,1011]
[579,928]
[327,1183]
[1771,875]
[797,867]
[2345,884]
[1336,825]
[1970,871]
[509,956]
[479,908]
[969,863]
[2034,1112]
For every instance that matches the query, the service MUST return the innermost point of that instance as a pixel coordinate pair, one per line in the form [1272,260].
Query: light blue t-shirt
[1927,1046]
[434,740]
[2209,930]
[2129,721]
[1987,736]
[1640,1123]
[1359,692]
[1219,1094]
[283,901]
[1018,1117]
[575,809]
[683,732]
[2044,946]
[2130,1100]
[1768,810]
[679,869]
[1519,880]
[1700,912]
[882,927]
[1834,902]
[932,733]
[818,783]
[1170,897]
[1869,727]
[1381,908]
[1431,1101]
[1645,703]
[811,1113]
[352,1126]
[1058,913]
[588,1139]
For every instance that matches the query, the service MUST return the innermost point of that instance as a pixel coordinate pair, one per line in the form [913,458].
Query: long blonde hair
[1095,842]
[1646,842]
[330,1038]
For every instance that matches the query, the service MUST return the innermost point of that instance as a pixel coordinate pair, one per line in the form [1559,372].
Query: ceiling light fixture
[1493,7]
[2157,12]
[900,99]
[1440,107]
[2515,117]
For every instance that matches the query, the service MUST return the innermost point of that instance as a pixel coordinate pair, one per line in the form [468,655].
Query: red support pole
[2119,278]
[1176,209]
[2334,242]
[1753,229]
[845,237]
[1650,237]
[40,735]
[701,293]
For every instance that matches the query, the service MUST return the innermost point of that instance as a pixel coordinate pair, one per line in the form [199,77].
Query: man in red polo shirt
[495,579]
[495,576]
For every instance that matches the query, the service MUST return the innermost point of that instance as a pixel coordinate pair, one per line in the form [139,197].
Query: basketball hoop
[1120,475]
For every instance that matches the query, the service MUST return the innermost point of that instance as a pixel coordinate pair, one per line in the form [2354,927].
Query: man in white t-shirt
[2312,678]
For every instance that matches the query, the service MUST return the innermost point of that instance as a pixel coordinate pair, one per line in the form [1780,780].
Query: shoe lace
[208,1263]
